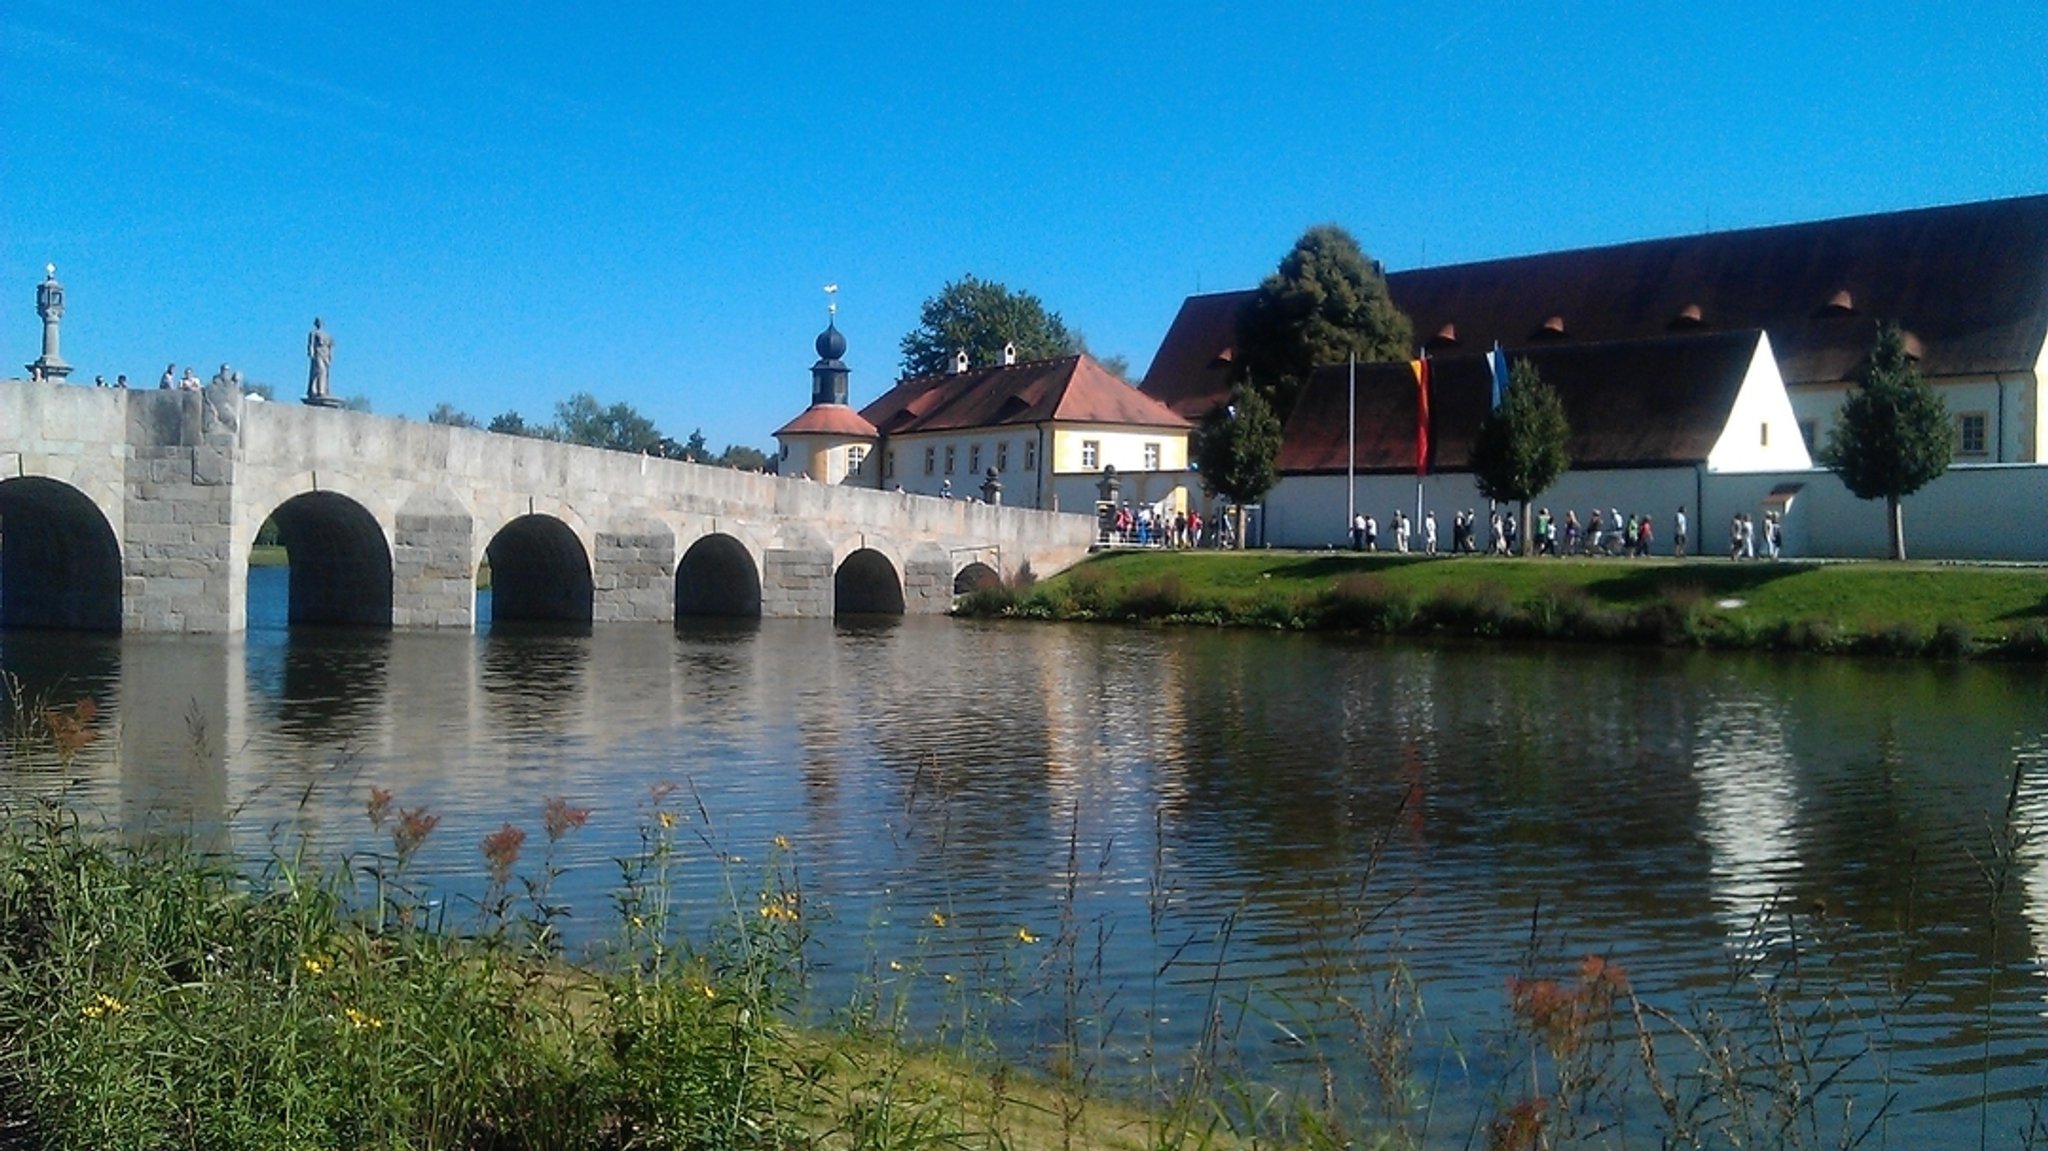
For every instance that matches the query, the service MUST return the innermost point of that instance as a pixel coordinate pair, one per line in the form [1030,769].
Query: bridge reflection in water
[1685,816]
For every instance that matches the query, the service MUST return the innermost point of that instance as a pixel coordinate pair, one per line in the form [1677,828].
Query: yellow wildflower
[668,819]
[895,966]
[639,922]
[782,842]
[362,1020]
[710,992]
[105,1005]
[948,977]
[938,919]
[1024,935]
[314,965]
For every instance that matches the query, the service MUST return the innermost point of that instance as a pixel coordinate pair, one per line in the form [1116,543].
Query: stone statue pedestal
[322,401]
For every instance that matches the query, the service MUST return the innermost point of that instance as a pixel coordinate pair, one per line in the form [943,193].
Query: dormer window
[1550,329]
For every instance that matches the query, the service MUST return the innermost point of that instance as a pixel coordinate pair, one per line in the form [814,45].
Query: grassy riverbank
[155,997]
[1908,609]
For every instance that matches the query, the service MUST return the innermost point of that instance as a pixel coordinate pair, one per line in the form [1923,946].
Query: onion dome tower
[829,442]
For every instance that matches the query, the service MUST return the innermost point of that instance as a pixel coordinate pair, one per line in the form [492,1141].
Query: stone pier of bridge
[137,510]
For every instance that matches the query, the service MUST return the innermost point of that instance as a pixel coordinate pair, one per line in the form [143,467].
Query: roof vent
[959,361]
[1551,329]
[1689,316]
[1446,337]
[1009,354]
[1839,304]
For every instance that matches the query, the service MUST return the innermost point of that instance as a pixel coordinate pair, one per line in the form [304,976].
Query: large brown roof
[1070,389]
[1633,403]
[1969,281]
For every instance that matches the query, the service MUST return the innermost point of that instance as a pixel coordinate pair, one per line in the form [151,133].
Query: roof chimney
[959,361]
[1009,354]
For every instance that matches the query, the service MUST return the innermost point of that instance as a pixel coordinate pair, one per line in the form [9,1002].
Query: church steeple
[828,375]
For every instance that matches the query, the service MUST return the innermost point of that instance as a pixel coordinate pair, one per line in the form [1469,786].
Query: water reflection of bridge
[136,510]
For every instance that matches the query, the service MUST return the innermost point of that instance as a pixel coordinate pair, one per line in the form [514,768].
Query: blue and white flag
[1497,363]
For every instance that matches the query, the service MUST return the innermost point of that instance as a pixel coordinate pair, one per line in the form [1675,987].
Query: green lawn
[1709,602]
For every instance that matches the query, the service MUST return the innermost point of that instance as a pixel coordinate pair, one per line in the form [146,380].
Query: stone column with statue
[320,356]
[50,366]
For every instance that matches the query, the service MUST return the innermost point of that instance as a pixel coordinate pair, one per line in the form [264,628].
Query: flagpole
[1421,463]
[1351,452]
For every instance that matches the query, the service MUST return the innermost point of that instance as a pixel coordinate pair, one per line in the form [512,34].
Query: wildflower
[105,1005]
[638,922]
[1024,935]
[895,966]
[501,851]
[948,977]
[379,807]
[314,965]
[413,826]
[782,843]
[560,819]
[938,919]
[668,820]
[710,992]
[362,1020]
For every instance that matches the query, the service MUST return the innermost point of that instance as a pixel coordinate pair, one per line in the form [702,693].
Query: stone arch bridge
[136,510]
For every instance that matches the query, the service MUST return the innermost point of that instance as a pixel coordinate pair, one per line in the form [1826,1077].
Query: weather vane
[831,299]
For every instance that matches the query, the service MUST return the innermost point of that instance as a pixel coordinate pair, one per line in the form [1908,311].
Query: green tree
[1894,433]
[696,448]
[1236,446]
[980,316]
[511,423]
[1520,448]
[449,416]
[1326,301]
[743,458]
[356,403]
[583,420]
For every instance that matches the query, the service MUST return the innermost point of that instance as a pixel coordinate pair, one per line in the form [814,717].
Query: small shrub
[1275,610]
[1088,588]
[2028,641]
[1483,609]
[1896,638]
[1952,639]
[1365,603]
[988,600]
[1156,598]
[1812,634]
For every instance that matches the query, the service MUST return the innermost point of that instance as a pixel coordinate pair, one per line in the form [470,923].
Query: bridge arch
[718,576]
[867,582]
[540,570]
[339,559]
[975,576]
[60,564]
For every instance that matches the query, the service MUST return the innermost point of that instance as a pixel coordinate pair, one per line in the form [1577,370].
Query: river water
[1320,842]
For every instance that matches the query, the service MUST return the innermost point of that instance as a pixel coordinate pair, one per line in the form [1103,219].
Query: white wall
[1990,511]
[2016,440]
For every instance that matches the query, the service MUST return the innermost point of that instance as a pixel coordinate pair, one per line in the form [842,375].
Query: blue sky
[499,205]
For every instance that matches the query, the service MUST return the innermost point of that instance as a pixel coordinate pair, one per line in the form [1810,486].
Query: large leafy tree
[1326,302]
[981,316]
[1236,446]
[1520,448]
[1894,433]
[448,415]
[583,420]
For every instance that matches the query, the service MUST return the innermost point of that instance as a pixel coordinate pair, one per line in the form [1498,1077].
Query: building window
[930,455]
[1030,455]
[785,451]
[1003,456]
[1970,434]
[949,459]
[856,459]
[974,459]
[1091,455]
[1809,430]
[1151,457]
[1763,438]
[889,465]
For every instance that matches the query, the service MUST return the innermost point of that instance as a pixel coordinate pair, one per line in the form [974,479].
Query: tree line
[583,419]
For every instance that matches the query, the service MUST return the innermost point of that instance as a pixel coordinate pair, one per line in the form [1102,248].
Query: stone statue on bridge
[320,351]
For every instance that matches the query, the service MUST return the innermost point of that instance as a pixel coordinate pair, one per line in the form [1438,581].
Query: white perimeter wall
[1988,512]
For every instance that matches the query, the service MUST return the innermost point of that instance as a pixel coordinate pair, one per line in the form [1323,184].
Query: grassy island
[1950,610]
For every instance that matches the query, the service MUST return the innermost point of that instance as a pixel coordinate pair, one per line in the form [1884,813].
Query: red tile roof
[1970,281]
[828,420]
[1634,403]
[1071,389]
